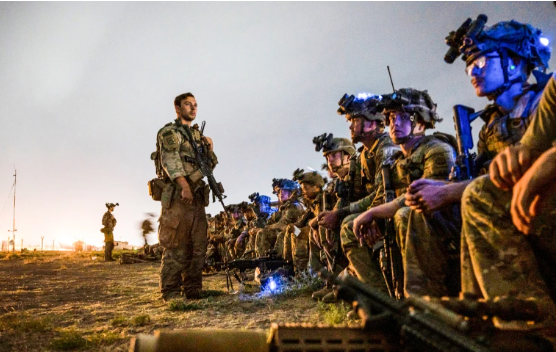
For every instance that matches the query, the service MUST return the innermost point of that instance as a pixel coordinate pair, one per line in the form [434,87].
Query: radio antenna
[391,81]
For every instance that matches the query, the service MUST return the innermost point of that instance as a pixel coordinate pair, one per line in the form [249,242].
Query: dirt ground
[73,301]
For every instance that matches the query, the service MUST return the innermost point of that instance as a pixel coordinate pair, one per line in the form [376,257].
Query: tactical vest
[501,131]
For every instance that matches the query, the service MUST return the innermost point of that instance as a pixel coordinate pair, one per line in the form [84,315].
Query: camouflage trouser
[296,248]
[231,248]
[498,260]
[279,243]
[360,258]
[250,247]
[241,244]
[183,233]
[315,255]
[266,238]
[430,249]
[108,246]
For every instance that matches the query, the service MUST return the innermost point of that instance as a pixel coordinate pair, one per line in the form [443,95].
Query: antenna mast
[13,228]
[391,81]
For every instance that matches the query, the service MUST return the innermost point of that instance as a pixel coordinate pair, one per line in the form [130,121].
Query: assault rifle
[410,325]
[391,263]
[465,168]
[203,162]
[265,264]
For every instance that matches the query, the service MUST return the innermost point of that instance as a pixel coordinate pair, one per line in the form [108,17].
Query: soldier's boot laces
[319,295]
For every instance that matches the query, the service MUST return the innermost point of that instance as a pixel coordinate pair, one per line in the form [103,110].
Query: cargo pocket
[167,235]
[207,195]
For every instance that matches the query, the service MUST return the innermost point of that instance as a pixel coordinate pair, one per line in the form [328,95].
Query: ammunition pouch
[156,187]
[167,195]
[206,191]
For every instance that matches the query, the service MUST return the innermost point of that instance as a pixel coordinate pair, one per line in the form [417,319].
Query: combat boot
[352,315]
[319,295]
[173,295]
[331,297]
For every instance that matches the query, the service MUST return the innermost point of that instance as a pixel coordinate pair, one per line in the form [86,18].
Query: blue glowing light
[365,96]
[272,284]
[544,41]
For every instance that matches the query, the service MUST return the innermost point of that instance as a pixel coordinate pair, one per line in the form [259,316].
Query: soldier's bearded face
[187,109]
[490,77]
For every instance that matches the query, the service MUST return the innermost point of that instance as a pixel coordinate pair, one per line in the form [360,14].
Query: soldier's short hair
[179,98]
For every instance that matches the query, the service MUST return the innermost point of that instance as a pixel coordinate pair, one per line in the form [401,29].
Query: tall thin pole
[42,239]
[13,229]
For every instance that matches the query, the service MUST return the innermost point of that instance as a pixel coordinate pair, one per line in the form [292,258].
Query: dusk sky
[86,86]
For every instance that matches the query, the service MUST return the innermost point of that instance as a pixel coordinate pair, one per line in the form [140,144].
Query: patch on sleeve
[441,161]
[170,140]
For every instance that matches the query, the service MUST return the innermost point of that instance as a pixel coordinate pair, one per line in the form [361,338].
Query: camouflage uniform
[109,222]
[183,227]
[497,259]
[272,236]
[428,242]
[360,258]
[245,241]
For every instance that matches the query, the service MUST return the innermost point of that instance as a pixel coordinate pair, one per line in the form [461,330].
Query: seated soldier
[252,222]
[236,226]
[367,127]
[499,71]
[272,236]
[409,112]
[296,239]
[508,242]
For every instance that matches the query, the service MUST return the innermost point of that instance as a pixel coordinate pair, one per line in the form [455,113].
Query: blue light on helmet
[544,41]
[272,284]
[364,96]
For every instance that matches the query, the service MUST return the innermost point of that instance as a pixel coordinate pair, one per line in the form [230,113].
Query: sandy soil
[64,301]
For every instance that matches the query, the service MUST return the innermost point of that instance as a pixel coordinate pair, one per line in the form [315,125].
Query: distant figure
[147,227]
[109,222]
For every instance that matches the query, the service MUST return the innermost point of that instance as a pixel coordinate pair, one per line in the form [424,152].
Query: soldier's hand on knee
[425,195]
[361,225]
[373,234]
[533,190]
[507,168]
[328,219]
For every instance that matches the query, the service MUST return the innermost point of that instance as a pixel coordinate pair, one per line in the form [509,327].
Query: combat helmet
[328,144]
[473,39]
[311,177]
[110,205]
[288,185]
[415,102]
[276,184]
[365,105]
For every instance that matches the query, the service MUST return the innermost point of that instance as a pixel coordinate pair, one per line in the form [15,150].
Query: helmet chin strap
[402,140]
[507,81]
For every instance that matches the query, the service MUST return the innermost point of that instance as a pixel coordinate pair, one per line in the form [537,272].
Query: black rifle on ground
[387,324]
[265,264]
[203,162]
[465,168]
[390,256]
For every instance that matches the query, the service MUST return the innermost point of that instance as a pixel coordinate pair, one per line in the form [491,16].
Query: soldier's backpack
[156,185]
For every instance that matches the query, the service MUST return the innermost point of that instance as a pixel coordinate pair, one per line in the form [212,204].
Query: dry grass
[67,301]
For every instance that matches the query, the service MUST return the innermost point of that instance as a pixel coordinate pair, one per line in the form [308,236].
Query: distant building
[122,245]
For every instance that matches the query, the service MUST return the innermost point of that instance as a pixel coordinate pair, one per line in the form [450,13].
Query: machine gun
[203,162]
[465,168]
[391,263]
[265,264]
[411,325]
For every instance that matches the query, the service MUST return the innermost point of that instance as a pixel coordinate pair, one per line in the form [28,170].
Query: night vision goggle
[350,103]
[464,36]
[323,142]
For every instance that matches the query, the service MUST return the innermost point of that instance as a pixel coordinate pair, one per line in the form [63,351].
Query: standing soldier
[183,224]
[409,112]
[109,222]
